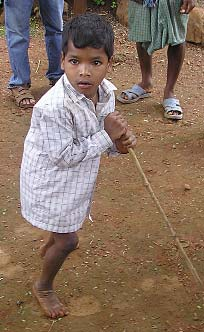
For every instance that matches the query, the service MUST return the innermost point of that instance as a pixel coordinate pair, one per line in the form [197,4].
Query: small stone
[187,186]
[19,303]
[195,316]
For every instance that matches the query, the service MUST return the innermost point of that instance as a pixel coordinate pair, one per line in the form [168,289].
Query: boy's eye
[97,62]
[74,61]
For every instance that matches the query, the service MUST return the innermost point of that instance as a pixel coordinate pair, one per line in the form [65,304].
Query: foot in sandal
[49,302]
[172,109]
[133,94]
[23,97]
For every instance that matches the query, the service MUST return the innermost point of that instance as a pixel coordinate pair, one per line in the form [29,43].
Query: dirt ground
[128,274]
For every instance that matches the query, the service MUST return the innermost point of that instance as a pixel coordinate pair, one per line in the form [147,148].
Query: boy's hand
[187,6]
[128,140]
[115,125]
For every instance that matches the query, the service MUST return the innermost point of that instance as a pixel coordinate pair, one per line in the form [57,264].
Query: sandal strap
[171,105]
[136,90]
[171,102]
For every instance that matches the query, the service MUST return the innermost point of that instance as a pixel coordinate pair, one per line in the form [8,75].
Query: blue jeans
[17,23]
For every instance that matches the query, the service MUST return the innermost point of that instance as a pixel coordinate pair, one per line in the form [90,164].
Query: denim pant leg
[51,13]
[17,20]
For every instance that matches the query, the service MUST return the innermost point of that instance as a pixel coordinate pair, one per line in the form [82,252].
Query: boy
[71,126]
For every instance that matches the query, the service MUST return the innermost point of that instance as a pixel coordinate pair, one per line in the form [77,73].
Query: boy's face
[85,68]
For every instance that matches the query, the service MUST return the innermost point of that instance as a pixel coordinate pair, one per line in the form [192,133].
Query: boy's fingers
[124,131]
[129,141]
[117,116]
[133,143]
[128,135]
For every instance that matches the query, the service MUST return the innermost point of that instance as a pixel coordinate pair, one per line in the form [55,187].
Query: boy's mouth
[84,84]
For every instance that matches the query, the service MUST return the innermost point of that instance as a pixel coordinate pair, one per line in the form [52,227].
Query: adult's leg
[172,108]
[51,12]
[145,61]
[17,20]
[176,56]
[136,93]
[53,260]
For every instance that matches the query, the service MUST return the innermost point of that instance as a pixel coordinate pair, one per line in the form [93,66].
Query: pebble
[187,186]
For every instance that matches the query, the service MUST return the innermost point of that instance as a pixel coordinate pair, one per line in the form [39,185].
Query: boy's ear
[110,64]
[62,61]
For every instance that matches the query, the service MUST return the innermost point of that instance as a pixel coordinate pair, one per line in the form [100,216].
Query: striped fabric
[159,26]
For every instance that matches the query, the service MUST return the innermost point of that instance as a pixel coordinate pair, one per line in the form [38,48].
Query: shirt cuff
[104,140]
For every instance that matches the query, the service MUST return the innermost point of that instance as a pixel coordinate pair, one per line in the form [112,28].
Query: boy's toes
[49,303]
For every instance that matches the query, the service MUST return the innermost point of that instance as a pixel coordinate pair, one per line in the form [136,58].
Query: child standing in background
[71,126]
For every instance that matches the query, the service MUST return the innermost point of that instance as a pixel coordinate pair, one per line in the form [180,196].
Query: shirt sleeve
[60,145]
[113,151]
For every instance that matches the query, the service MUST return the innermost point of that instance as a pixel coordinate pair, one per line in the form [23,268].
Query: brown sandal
[22,93]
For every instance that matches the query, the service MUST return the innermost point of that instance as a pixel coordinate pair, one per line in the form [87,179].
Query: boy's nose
[84,70]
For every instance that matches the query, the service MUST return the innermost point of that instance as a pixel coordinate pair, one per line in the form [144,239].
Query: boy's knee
[69,243]
[73,242]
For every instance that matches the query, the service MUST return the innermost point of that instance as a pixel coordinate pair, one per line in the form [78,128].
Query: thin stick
[51,326]
[38,66]
[147,184]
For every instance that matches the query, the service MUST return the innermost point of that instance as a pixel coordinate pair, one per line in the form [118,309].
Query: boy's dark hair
[88,30]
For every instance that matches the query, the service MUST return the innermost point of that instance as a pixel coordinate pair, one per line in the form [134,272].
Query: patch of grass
[36,28]
[2,31]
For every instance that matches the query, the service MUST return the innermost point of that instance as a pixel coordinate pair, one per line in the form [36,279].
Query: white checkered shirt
[61,156]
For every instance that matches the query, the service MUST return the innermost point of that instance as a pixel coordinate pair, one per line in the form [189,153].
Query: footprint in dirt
[84,306]
[8,270]
[4,258]
[165,282]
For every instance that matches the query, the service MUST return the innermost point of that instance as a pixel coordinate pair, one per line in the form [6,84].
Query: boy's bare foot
[49,303]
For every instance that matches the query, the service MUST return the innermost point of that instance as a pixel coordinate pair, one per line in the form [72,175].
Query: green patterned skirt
[157,27]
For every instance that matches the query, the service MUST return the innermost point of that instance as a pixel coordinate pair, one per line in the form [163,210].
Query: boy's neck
[95,98]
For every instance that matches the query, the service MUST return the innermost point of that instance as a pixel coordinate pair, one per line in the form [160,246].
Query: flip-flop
[172,109]
[133,94]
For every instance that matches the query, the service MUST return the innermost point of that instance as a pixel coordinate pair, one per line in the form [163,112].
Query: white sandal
[172,109]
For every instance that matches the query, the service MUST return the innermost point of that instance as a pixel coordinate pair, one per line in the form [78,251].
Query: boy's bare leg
[176,56]
[53,260]
[49,242]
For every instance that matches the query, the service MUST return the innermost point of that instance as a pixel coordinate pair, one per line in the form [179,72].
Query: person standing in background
[17,25]
[153,24]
